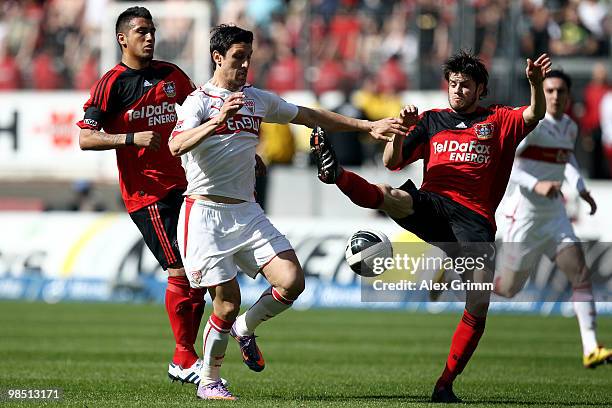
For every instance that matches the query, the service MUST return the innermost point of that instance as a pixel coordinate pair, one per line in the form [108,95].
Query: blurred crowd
[54,44]
[369,50]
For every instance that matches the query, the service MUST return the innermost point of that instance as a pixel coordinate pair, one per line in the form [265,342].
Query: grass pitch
[109,355]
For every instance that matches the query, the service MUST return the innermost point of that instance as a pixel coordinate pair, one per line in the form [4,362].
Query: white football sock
[216,335]
[584,307]
[269,304]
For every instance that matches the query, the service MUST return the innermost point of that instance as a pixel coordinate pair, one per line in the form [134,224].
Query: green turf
[116,356]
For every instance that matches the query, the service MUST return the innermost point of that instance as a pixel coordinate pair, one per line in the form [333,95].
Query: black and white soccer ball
[362,250]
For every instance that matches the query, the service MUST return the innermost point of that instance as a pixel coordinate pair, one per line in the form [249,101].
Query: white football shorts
[215,239]
[527,238]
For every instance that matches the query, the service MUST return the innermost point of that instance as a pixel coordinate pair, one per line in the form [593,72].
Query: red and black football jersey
[125,100]
[468,157]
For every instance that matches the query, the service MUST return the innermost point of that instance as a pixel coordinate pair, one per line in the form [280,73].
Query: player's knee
[292,284]
[227,310]
[507,287]
[506,291]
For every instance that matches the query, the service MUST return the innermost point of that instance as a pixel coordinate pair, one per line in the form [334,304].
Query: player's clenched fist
[148,139]
[232,104]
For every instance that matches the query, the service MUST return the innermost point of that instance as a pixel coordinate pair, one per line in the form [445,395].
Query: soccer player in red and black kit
[134,104]
[468,152]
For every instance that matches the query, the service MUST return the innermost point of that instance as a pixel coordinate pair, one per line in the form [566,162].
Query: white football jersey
[547,153]
[224,163]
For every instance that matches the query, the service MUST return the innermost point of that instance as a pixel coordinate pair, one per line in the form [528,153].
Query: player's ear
[217,57]
[479,90]
[122,40]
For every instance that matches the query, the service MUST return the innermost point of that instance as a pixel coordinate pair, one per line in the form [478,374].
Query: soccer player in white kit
[221,227]
[536,221]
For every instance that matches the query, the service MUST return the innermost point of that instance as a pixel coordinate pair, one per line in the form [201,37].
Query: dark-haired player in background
[468,152]
[536,221]
[134,104]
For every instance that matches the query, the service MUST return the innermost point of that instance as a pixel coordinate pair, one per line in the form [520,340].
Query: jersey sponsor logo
[170,89]
[471,151]
[154,114]
[250,105]
[239,123]
[484,131]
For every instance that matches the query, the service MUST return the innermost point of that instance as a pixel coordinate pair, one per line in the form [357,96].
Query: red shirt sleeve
[512,124]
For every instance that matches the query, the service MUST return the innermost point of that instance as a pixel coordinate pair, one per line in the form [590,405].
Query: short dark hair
[223,36]
[557,73]
[464,62]
[124,18]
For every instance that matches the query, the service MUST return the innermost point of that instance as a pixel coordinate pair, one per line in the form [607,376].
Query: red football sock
[197,307]
[464,343]
[359,190]
[179,308]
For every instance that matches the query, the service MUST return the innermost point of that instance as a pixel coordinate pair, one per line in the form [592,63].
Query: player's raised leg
[397,203]
[570,260]
[286,278]
[226,305]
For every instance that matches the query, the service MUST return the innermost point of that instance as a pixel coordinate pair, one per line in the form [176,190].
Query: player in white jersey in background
[536,221]
[221,226]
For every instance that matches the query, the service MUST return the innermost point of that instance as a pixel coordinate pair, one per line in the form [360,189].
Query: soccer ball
[363,247]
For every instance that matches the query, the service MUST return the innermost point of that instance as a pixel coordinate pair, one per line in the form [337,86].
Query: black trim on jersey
[415,138]
[95,113]
[130,84]
[99,92]
[434,122]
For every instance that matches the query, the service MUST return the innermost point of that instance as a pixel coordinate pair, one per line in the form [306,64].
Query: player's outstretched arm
[184,141]
[535,72]
[381,129]
[91,139]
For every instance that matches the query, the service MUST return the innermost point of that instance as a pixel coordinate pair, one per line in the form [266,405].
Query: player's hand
[547,188]
[232,104]
[260,167]
[537,70]
[397,203]
[380,129]
[586,196]
[149,140]
[409,115]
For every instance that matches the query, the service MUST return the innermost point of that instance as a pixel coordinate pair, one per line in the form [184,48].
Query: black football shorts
[157,224]
[440,219]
